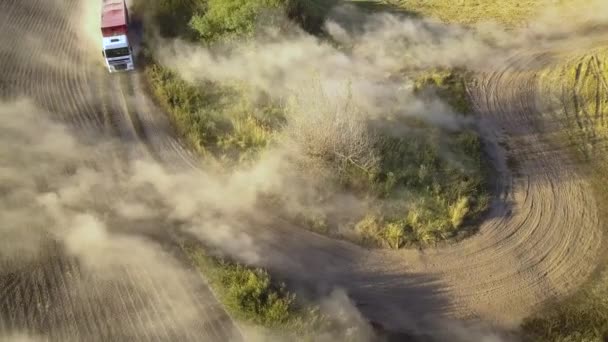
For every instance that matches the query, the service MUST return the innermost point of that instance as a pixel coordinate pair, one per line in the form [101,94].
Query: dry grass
[577,96]
[507,12]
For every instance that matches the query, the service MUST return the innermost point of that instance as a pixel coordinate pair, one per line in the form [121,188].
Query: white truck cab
[118,53]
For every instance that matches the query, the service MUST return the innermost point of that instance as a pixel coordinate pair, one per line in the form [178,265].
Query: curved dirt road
[539,241]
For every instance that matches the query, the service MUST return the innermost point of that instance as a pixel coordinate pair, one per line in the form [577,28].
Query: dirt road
[538,243]
[54,295]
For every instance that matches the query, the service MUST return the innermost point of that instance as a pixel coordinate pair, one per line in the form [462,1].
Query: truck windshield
[120,52]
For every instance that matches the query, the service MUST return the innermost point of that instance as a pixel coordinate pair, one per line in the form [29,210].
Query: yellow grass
[507,12]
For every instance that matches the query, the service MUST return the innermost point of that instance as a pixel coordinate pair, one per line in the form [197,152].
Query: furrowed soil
[52,295]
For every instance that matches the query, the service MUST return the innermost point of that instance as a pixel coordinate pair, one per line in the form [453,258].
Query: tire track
[58,299]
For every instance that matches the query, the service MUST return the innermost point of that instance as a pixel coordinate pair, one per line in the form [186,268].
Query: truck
[116,49]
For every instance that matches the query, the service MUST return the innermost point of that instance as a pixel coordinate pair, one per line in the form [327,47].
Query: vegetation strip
[253,297]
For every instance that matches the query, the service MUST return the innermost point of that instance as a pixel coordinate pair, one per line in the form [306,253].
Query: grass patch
[217,120]
[576,94]
[419,187]
[425,197]
[582,317]
[248,293]
[252,296]
[508,12]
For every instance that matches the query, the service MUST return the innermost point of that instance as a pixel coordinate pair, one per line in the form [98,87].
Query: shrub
[458,212]
[230,19]
[369,230]
[394,234]
[216,120]
[250,294]
[247,292]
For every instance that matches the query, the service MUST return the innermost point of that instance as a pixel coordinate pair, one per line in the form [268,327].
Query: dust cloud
[61,186]
[376,54]
[19,337]
[57,195]
[61,192]
[369,63]
[293,65]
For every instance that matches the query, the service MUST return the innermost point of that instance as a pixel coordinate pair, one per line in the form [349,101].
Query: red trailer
[114,18]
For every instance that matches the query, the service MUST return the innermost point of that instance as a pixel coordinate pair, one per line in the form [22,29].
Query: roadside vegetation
[252,296]
[216,120]
[419,189]
[581,317]
[576,95]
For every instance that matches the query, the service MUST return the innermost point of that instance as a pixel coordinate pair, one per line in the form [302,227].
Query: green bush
[247,292]
[251,295]
[449,84]
[423,197]
[229,19]
[216,120]
[238,19]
